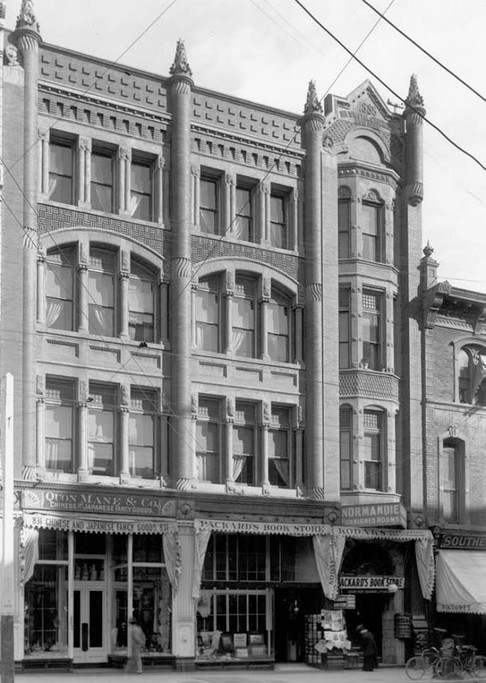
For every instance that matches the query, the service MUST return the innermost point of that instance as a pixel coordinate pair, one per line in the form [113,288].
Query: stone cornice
[250,141]
[355,168]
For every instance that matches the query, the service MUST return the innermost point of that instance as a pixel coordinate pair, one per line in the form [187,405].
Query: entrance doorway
[292,604]
[89,619]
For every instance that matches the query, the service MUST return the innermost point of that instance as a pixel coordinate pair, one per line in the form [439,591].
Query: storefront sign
[229,526]
[95,525]
[371,583]
[384,514]
[462,542]
[112,503]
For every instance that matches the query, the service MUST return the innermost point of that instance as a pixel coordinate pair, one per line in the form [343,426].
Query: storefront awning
[460,583]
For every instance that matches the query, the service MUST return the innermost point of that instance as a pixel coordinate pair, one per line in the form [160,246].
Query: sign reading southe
[375,584]
[114,503]
[383,514]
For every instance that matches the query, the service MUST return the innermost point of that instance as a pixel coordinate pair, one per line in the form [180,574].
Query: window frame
[276,426]
[379,433]
[66,253]
[242,409]
[53,384]
[344,223]
[103,271]
[56,140]
[101,151]
[144,402]
[344,314]
[372,241]
[147,275]
[211,286]
[241,295]
[214,180]
[214,419]
[284,224]
[471,380]
[149,163]
[280,300]
[373,350]
[348,462]
[242,186]
[99,406]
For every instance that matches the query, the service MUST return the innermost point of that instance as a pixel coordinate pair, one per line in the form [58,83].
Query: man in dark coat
[368,646]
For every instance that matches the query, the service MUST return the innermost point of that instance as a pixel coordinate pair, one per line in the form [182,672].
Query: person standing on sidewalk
[137,641]
[368,645]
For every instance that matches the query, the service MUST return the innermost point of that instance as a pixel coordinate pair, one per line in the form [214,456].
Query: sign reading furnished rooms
[382,514]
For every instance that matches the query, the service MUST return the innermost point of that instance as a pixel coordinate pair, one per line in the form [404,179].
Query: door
[89,620]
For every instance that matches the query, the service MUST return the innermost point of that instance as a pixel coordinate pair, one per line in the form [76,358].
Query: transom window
[61,171]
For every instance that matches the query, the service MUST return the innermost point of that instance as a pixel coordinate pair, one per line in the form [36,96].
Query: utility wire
[389,88]
[437,61]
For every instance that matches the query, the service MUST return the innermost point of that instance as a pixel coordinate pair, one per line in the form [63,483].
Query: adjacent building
[215,313]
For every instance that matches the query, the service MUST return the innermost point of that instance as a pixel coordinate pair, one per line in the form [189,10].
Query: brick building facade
[215,344]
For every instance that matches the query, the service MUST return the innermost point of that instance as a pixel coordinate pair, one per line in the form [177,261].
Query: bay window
[372,329]
[344,328]
[371,227]
[374,444]
[346,447]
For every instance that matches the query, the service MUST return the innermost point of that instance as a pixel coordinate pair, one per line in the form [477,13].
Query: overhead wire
[389,88]
[422,49]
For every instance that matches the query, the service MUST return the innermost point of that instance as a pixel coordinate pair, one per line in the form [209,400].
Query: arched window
[101,289]
[244,317]
[472,375]
[374,449]
[141,303]
[346,447]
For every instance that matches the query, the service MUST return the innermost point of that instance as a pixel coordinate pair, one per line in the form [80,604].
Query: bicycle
[465,660]
[423,664]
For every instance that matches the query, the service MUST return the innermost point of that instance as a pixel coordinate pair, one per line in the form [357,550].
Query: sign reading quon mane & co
[382,514]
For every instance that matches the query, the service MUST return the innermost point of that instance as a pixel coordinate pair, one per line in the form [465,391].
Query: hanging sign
[384,514]
[371,584]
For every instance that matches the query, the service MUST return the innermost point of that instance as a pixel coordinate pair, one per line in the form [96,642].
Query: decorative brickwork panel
[105,80]
[370,384]
[268,125]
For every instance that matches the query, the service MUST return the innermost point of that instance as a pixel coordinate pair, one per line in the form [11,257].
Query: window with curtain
[374,443]
[244,317]
[372,328]
[346,447]
[142,432]
[209,206]
[472,375]
[208,314]
[371,217]
[279,447]
[344,223]
[141,302]
[59,424]
[344,327]
[244,228]
[244,443]
[61,171]
[279,327]
[141,189]
[279,229]
[102,428]
[208,440]
[60,281]
[450,480]
[102,194]
[101,292]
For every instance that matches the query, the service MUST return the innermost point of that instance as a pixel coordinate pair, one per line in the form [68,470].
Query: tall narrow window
[472,375]
[142,432]
[372,329]
[59,431]
[450,481]
[208,439]
[141,190]
[373,450]
[61,171]
[60,279]
[279,231]
[101,292]
[371,226]
[278,327]
[209,206]
[101,428]
[244,318]
[102,194]
[344,223]
[279,447]
[244,447]
[244,223]
[208,313]
[346,447]
[141,302]
[344,325]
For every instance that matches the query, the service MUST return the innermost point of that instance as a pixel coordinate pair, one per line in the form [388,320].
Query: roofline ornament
[313,104]
[180,67]
[26,18]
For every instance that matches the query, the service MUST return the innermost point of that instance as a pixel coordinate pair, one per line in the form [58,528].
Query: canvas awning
[460,584]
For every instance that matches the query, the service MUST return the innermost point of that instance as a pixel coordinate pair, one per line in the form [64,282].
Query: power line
[434,59]
[389,88]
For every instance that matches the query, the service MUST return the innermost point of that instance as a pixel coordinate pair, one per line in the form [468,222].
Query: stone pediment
[364,106]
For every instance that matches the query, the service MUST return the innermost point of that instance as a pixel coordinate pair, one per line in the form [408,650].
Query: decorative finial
[313,103]
[180,67]
[428,250]
[414,99]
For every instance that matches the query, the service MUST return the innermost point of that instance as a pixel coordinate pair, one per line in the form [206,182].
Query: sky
[268,50]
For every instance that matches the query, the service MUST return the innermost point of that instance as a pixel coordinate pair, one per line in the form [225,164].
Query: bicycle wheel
[415,668]
[448,667]
[478,668]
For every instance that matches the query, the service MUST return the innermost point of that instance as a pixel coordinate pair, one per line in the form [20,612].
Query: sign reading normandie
[114,503]
[383,514]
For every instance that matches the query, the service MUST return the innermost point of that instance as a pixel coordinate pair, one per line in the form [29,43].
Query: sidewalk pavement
[283,673]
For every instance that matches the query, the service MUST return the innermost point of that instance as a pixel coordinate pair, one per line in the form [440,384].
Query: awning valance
[460,585]
[96,524]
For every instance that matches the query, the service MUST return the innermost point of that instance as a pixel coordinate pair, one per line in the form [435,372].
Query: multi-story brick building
[210,311]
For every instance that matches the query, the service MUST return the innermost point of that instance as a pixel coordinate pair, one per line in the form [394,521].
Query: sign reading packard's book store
[371,584]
